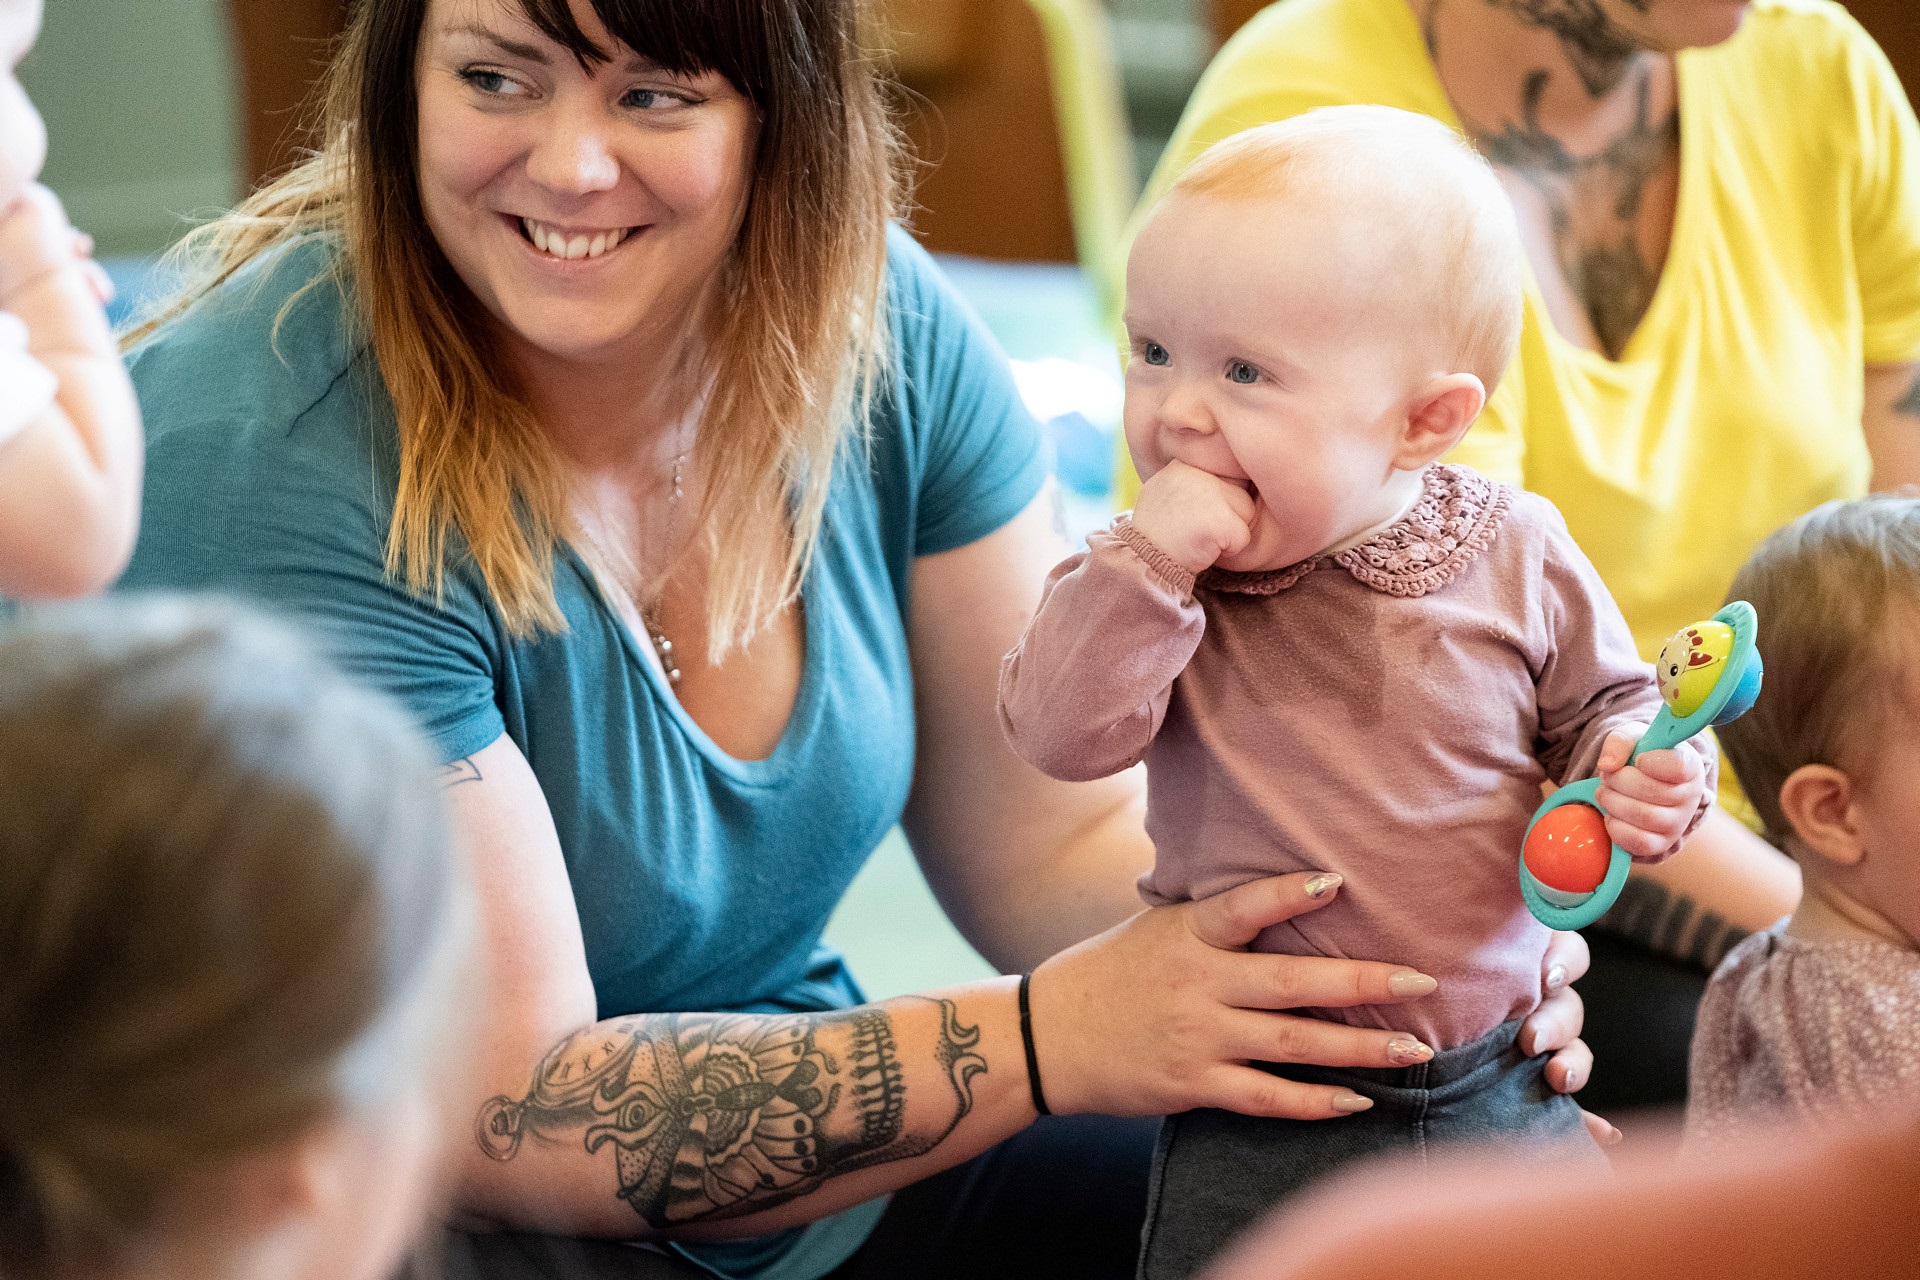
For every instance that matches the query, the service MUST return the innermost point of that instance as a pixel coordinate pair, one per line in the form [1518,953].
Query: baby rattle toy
[1709,673]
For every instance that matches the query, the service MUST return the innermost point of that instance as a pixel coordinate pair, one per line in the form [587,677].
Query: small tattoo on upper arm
[462,770]
[1908,405]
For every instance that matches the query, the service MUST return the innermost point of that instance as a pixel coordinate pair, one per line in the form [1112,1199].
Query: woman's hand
[1163,1012]
[1554,1026]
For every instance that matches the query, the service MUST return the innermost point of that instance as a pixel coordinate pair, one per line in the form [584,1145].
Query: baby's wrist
[36,241]
[1172,543]
[1175,575]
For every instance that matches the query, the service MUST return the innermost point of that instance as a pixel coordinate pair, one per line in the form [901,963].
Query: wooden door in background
[1896,25]
[976,101]
[283,47]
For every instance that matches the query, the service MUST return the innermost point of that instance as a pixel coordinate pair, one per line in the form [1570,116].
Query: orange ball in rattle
[1568,849]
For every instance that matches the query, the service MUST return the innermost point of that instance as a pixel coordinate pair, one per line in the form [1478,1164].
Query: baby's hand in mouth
[1195,516]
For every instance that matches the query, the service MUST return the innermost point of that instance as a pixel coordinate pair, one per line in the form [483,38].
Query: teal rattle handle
[1734,689]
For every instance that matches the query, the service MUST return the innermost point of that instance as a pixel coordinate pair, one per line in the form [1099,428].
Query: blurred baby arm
[1085,691]
[70,472]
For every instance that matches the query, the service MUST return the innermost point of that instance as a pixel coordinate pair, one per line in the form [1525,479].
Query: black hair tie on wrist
[1026,1038]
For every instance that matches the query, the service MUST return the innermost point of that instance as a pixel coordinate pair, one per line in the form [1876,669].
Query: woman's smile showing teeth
[557,242]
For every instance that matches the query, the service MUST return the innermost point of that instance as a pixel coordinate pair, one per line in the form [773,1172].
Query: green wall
[142,106]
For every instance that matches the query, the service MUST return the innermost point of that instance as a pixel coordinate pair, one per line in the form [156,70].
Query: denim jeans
[1215,1173]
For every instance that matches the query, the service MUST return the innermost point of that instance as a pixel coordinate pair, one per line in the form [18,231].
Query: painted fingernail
[1348,1103]
[1556,977]
[1323,884]
[1405,1051]
[1410,983]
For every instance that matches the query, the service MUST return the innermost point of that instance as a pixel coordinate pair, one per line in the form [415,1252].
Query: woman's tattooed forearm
[717,1115]
[1908,405]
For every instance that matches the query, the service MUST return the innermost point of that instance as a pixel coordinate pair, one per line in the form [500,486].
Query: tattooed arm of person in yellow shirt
[1892,423]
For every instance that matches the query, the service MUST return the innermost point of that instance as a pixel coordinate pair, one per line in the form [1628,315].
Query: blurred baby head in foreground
[231,931]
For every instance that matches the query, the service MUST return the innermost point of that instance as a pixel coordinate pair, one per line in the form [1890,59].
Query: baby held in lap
[1332,651]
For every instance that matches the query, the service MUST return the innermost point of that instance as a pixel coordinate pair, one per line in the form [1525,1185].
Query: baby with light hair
[1816,1020]
[1336,653]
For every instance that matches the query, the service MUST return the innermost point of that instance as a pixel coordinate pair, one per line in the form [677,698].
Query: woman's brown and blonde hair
[796,343]
[1838,597]
[230,912]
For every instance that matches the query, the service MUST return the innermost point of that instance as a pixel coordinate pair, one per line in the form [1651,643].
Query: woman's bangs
[685,37]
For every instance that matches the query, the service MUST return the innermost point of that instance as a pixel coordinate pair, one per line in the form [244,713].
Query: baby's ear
[1438,414]
[1818,800]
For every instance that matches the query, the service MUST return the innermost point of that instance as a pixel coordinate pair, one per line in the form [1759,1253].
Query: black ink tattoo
[1908,404]
[1671,925]
[462,770]
[1598,49]
[717,1115]
[1618,287]
[1593,204]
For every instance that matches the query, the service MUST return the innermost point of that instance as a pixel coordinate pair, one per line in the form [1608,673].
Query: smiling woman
[579,394]
[472,126]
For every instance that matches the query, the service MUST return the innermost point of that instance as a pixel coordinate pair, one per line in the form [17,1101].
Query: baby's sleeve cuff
[1175,576]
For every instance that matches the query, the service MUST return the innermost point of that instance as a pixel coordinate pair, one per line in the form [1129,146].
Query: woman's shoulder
[262,347]
[1322,52]
[918,292]
[933,333]
[1789,49]
[955,453]
[1778,24]
[266,440]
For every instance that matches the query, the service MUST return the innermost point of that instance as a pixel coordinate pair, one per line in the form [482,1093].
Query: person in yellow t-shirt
[1720,201]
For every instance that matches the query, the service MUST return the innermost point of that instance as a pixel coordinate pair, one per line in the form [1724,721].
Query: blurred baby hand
[1650,803]
[1193,515]
[36,238]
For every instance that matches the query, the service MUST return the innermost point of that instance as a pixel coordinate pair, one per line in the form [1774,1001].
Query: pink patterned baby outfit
[1793,1030]
[1387,712]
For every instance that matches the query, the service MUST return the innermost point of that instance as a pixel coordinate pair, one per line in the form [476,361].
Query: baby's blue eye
[1243,373]
[1154,353]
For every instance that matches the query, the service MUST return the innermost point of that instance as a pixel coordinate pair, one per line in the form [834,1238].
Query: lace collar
[1456,518]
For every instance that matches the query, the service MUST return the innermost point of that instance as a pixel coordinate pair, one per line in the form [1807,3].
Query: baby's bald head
[1404,198]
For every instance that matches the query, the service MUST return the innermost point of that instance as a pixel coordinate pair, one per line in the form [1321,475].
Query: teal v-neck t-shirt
[703,882]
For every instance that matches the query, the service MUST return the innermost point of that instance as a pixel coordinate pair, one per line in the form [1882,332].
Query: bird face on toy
[1690,663]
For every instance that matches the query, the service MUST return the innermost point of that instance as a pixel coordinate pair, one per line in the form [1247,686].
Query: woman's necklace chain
[649,618]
